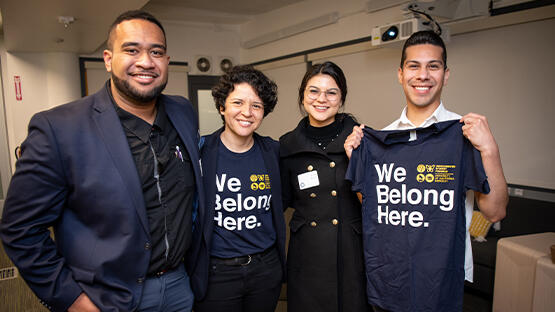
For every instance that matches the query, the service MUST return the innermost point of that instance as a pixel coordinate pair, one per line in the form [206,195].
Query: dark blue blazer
[77,175]
[202,237]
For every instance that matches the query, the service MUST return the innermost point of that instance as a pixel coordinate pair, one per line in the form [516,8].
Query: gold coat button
[312,195]
[332,164]
[313,224]
[333,193]
[310,168]
[334,222]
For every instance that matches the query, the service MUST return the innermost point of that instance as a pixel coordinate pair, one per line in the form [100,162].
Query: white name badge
[308,180]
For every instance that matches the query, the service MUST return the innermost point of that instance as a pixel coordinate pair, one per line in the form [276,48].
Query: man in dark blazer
[117,176]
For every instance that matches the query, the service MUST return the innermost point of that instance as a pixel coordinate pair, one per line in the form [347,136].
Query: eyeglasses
[332,95]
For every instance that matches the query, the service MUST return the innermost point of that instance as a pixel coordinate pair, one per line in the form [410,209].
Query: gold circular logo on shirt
[420,168]
[420,177]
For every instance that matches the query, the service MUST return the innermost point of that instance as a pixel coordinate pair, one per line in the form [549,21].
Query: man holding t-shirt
[423,72]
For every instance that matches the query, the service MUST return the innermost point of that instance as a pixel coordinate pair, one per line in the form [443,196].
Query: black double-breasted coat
[325,257]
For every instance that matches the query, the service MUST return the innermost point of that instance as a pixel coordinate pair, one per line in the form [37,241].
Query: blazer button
[147,246]
[310,168]
[334,193]
[313,224]
[332,164]
[312,195]
[334,222]
[140,280]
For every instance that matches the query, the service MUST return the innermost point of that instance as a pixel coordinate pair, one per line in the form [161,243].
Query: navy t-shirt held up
[413,214]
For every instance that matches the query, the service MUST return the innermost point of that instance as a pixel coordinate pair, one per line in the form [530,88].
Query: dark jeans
[170,292]
[236,288]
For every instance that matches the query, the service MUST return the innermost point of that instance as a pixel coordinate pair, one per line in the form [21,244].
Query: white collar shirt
[439,115]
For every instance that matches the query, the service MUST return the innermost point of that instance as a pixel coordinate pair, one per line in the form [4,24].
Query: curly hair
[265,88]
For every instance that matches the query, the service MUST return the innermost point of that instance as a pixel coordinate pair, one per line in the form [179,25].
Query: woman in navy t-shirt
[241,247]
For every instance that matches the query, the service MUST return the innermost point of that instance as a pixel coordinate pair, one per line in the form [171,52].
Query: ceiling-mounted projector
[400,31]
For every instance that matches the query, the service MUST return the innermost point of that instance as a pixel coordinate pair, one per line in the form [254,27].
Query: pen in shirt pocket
[178,153]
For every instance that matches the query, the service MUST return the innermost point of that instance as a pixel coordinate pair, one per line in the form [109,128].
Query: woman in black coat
[325,259]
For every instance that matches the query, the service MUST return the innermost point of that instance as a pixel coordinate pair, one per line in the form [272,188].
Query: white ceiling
[32,25]
[240,7]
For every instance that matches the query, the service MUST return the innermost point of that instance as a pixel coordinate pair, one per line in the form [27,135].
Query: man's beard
[129,91]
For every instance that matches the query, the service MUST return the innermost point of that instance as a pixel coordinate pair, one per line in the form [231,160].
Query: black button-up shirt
[167,179]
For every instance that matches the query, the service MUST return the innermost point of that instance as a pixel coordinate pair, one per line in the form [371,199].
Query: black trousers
[254,287]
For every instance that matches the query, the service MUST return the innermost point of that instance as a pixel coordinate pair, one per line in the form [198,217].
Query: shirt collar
[402,135]
[436,116]
[140,128]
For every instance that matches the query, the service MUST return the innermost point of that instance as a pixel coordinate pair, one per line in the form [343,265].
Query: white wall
[47,80]
[62,78]
[5,170]
[50,79]
[286,114]
[504,73]
[353,23]
[507,74]
[188,40]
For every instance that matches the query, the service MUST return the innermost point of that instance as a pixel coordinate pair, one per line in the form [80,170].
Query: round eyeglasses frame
[332,95]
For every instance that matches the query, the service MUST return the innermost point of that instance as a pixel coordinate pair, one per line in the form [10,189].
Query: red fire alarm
[17,82]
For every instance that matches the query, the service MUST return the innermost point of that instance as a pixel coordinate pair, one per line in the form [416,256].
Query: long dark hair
[326,68]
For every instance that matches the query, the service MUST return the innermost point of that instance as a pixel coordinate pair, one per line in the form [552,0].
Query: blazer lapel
[272,165]
[185,126]
[111,132]
[210,163]
[181,121]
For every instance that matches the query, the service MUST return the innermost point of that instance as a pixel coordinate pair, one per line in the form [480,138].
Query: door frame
[197,82]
